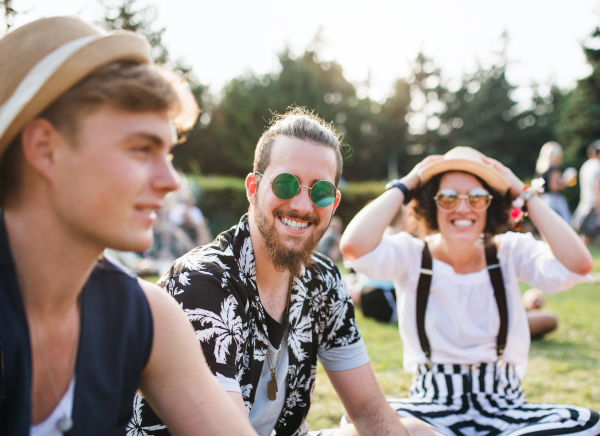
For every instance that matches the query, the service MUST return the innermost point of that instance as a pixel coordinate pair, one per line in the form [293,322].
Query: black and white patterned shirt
[216,286]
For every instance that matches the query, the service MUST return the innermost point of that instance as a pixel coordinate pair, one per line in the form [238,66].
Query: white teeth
[295,225]
[462,223]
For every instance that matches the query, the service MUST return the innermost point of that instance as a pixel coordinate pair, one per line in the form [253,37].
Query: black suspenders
[493,266]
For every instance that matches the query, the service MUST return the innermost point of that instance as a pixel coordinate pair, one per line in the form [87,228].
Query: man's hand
[367,408]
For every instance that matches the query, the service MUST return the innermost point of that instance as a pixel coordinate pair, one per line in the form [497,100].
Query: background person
[86,126]
[548,167]
[586,219]
[463,325]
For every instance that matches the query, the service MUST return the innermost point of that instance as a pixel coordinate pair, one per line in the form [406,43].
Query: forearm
[379,419]
[365,230]
[564,243]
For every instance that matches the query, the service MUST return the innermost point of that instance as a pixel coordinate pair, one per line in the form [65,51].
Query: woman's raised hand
[411,180]
[515,184]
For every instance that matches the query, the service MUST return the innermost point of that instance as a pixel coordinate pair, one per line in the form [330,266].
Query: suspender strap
[422,297]
[499,294]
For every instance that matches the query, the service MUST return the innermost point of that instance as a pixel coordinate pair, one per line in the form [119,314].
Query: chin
[137,244]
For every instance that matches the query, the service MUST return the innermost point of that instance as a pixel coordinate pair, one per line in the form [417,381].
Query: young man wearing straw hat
[86,126]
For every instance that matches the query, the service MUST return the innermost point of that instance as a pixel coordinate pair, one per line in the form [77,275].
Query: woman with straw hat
[463,325]
[86,126]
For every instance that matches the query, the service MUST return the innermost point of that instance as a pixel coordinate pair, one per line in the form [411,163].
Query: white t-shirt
[588,174]
[64,408]
[462,319]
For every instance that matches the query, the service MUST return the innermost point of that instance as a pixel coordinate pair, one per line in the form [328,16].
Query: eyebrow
[156,140]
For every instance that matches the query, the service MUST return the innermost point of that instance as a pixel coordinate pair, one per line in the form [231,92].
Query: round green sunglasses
[286,186]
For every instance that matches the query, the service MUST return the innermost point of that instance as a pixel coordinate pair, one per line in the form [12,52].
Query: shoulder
[514,244]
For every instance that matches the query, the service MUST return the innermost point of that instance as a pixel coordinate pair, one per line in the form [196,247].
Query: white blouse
[462,319]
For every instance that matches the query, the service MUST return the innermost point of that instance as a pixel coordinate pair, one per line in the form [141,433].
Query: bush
[223,199]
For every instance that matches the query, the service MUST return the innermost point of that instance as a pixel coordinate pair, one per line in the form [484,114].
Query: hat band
[36,78]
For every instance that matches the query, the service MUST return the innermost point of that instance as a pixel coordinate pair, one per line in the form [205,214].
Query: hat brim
[484,172]
[104,50]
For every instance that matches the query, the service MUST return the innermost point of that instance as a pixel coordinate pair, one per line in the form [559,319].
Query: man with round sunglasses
[265,306]
[463,325]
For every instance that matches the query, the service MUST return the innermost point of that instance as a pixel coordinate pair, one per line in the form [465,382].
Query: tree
[127,16]
[9,12]
[479,113]
[579,120]
[226,145]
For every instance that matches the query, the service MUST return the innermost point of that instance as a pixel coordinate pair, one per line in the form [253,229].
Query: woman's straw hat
[43,59]
[468,160]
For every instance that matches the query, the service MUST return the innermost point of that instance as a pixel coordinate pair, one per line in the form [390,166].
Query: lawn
[564,367]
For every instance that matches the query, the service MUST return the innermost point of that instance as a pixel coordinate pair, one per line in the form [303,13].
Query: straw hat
[468,160]
[43,59]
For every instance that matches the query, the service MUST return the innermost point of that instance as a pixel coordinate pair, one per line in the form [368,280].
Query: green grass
[564,367]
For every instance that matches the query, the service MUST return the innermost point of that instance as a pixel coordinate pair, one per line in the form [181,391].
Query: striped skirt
[487,400]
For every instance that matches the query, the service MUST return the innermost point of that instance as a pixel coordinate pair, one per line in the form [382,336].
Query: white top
[178,212]
[264,412]
[64,408]
[588,174]
[462,319]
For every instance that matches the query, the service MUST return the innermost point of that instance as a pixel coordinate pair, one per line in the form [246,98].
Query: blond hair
[550,155]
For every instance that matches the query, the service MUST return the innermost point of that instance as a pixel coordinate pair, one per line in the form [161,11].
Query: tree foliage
[128,15]
[9,12]
[579,123]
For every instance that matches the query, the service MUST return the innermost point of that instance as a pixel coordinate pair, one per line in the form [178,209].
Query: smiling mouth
[294,225]
[463,223]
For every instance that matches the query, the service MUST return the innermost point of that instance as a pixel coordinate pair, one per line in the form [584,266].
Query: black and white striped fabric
[487,400]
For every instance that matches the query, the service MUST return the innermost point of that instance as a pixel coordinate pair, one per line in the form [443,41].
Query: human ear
[336,203]
[38,140]
[251,187]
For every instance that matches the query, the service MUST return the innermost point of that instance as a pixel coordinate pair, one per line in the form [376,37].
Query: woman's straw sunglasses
[286,186]
[448,200]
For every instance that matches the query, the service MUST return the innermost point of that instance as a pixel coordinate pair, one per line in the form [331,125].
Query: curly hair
[425,209]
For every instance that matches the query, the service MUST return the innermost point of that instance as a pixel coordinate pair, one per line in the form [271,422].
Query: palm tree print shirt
[216,286]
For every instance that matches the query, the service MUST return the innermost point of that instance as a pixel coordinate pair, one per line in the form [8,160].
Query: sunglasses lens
[447,199]
[285,186]
[323,193]
[479,199]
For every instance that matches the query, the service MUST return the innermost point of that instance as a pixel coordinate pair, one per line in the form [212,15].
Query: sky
[375,39]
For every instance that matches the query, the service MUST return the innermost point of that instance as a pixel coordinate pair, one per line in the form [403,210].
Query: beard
[281,256]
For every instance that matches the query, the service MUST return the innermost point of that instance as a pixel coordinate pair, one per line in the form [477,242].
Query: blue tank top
[114,347]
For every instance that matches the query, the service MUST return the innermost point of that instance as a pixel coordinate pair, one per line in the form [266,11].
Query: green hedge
[223,199]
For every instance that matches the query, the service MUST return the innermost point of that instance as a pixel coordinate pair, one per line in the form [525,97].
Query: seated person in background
[86,126]
[463,325]
[265,306]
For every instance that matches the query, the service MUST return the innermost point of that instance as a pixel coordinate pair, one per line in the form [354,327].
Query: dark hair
[298,123]
[425,209]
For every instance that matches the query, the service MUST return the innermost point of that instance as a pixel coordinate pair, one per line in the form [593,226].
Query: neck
[464,256]
[51,266]
[273,285]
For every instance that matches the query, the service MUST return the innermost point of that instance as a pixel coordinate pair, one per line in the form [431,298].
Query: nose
[463,205]
[165,178]
[302,202]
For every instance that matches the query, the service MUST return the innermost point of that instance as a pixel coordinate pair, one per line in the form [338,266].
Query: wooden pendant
[272,389]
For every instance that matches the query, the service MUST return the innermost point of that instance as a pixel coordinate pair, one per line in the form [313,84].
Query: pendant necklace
[64,424]
[272,384]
